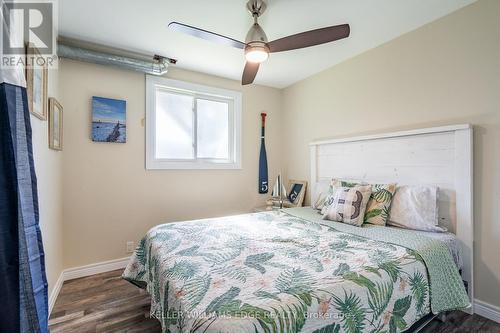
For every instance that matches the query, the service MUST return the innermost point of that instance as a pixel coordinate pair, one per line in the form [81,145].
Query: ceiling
[142,26]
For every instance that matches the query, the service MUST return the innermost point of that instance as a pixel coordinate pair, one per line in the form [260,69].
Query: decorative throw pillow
[379,205]
[321,190]
[346,183]
[347,204]
[323,197]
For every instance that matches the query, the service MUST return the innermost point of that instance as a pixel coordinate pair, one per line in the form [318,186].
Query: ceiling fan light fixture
[257,47]
[256,53]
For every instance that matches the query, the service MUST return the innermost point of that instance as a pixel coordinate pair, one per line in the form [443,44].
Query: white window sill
[187,165]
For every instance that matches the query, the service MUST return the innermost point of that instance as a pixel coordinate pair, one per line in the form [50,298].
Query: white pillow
[415,207]
[321,190]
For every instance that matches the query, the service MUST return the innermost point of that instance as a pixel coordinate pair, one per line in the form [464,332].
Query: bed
[292,271]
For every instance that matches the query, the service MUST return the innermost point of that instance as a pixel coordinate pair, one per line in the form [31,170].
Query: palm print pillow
[379,205]
[347,204]
[322,190]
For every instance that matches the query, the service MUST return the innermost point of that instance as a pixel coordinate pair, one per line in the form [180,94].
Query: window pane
[174,126]
[213,122]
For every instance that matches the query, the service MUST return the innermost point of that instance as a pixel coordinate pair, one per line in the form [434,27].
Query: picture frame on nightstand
[296,193]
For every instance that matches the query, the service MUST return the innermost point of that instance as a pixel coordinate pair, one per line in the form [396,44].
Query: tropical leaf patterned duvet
[275,272]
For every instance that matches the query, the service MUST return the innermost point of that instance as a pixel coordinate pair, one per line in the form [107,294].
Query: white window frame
[197,91]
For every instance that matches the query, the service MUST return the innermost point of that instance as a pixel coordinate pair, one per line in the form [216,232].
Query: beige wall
[446,72]
[48,166]
[109,196]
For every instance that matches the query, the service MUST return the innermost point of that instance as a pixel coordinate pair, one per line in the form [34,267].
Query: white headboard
[439,156]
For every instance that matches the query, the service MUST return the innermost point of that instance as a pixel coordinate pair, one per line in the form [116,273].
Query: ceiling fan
[257,47]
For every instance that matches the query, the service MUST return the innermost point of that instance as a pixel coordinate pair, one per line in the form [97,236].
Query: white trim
[97,268]
[83,271]
[487,310]
[440,129]
[55,291]
[233,98]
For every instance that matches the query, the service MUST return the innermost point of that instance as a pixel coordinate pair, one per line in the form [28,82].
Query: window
[191,126]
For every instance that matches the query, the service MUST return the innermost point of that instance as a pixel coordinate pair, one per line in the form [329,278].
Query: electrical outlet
[130,247]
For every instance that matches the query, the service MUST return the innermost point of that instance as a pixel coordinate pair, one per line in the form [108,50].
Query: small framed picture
[36,83]
[296,192]
[55,125]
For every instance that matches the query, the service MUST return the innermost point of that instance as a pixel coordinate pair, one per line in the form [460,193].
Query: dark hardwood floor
[106,303]
[102,303]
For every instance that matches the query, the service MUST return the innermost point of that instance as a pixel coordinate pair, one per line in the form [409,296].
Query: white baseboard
[55,291]
[487,310]
[82,271]
[92,269]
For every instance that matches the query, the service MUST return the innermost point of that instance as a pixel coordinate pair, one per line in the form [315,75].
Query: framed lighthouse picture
[109,120]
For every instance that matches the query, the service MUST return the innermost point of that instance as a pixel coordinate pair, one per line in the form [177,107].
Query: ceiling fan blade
[207,35]
[249,73]
[310,38]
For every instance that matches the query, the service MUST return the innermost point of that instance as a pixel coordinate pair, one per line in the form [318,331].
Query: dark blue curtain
[23,283]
